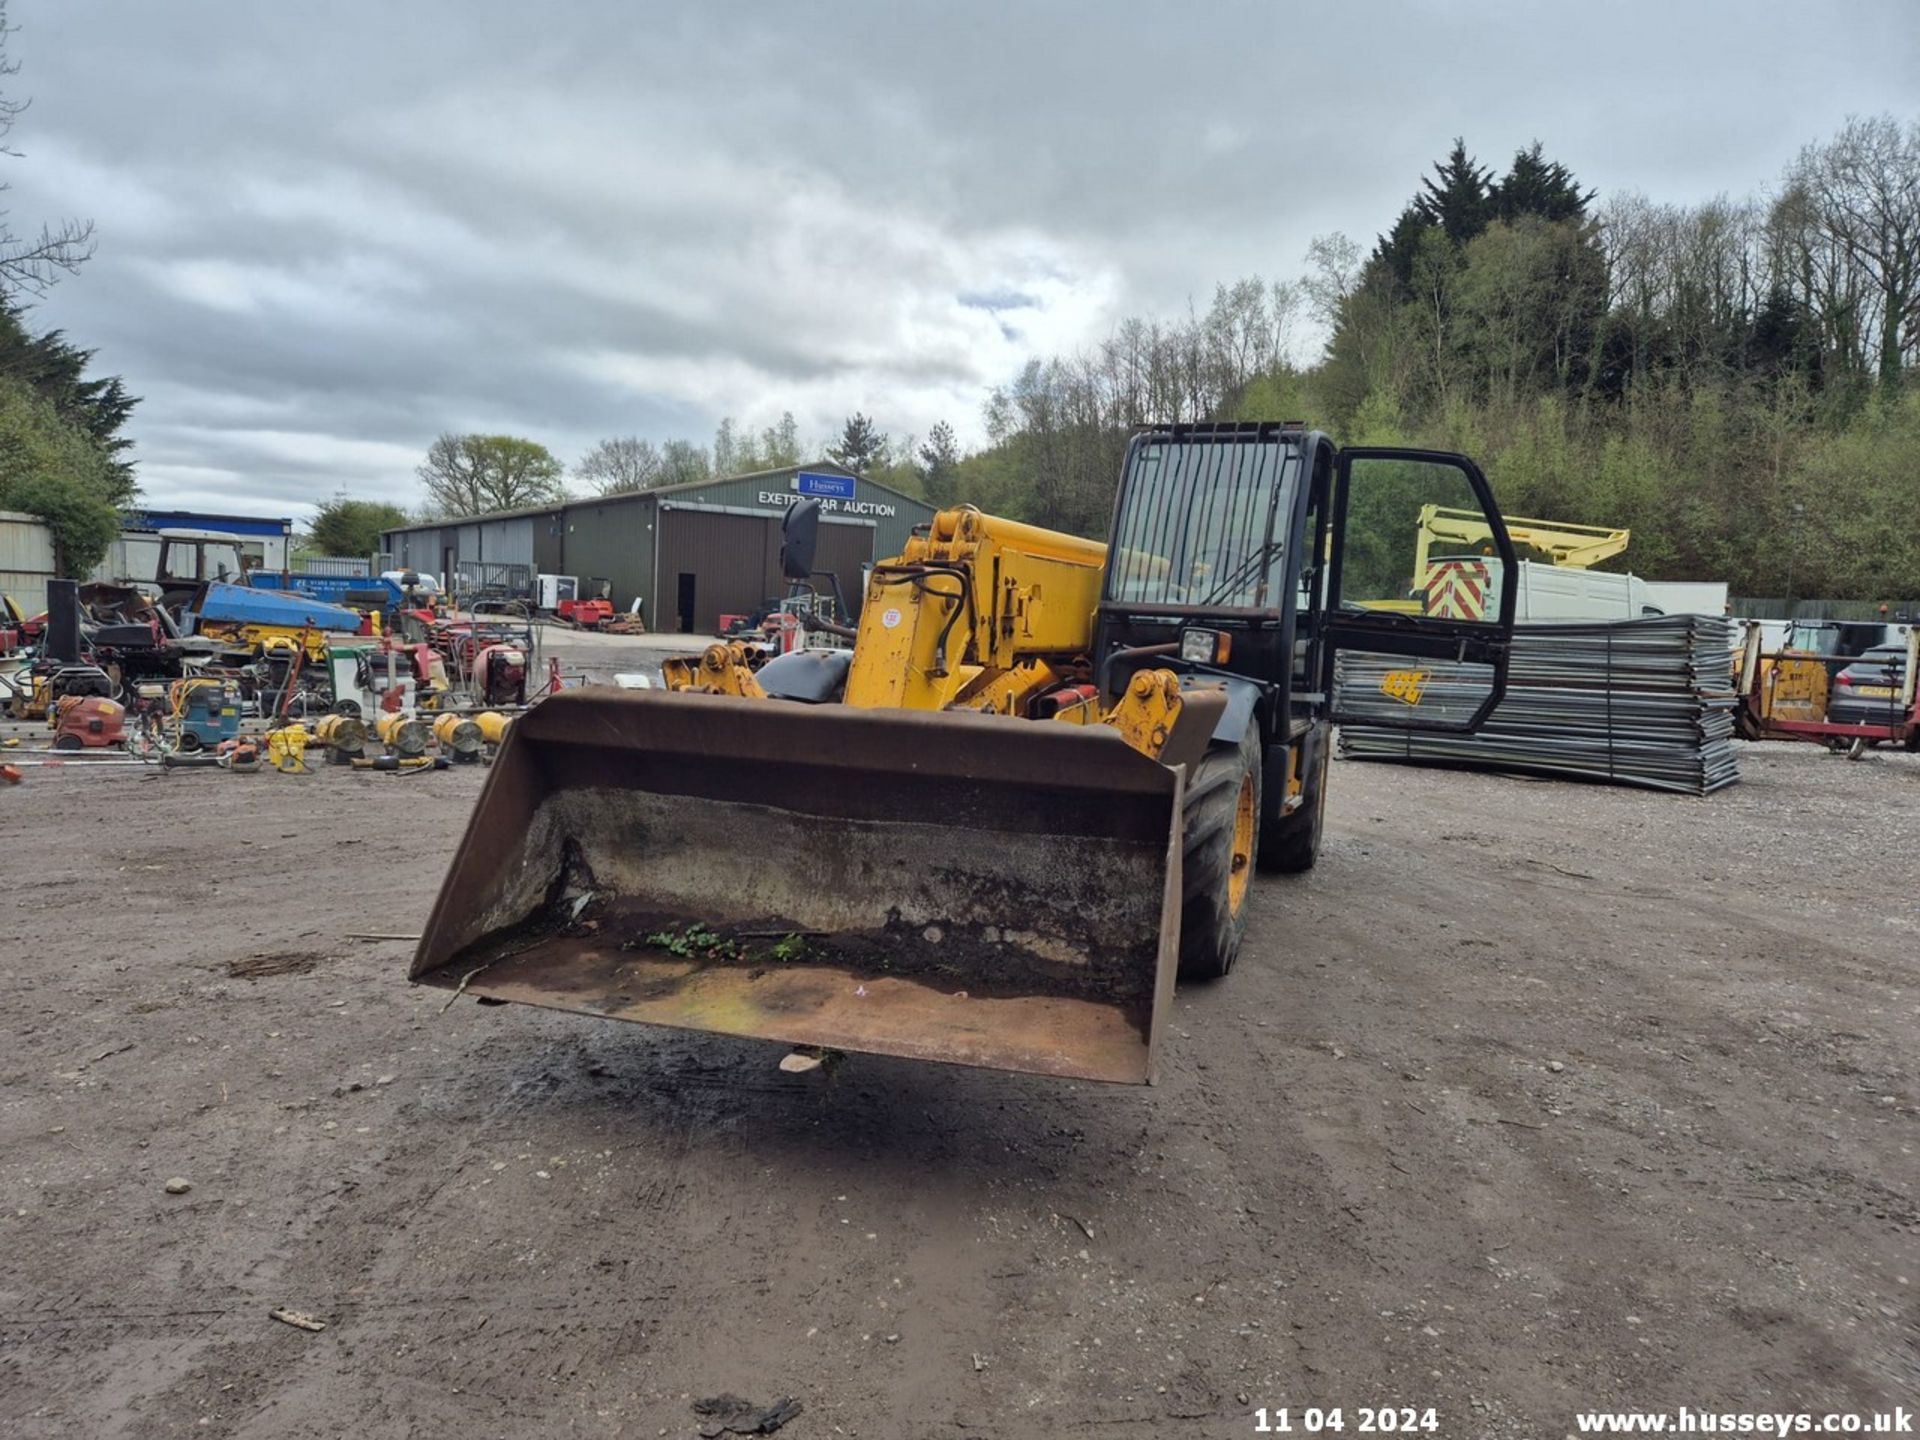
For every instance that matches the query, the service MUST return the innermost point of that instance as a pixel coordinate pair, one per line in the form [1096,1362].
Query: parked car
[1867,692]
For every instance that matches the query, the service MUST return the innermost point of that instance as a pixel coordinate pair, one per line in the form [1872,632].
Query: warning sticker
[1405,686]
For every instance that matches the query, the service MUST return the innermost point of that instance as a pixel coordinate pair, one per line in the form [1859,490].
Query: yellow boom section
[1577,547]
[977,614]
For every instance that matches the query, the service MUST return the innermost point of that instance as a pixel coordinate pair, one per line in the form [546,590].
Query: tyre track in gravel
[1358,1182]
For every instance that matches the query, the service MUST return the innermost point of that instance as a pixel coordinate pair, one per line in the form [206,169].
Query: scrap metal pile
[1638,702]
[228,675]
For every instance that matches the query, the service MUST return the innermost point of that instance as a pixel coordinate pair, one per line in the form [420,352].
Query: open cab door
[1406,650]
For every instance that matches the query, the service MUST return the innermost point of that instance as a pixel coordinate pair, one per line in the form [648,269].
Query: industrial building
[263,541]
[27,548]
[26,560]
[689,553]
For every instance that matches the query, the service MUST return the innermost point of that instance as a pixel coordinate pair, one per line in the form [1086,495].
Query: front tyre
[1221,844]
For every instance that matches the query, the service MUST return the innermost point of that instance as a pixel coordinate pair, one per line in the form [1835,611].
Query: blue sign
[828,487]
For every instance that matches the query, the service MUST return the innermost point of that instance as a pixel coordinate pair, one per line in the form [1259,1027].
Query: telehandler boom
[1036,787]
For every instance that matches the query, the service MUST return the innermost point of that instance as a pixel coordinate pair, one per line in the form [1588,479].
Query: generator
[500,675]
[553,591]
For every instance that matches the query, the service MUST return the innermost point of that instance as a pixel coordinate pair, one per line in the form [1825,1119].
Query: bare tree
[1863,187]
[620,466]
[29,266]
[682,462]
[1336,274]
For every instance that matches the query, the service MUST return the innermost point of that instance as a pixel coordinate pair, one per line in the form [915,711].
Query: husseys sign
[837,495]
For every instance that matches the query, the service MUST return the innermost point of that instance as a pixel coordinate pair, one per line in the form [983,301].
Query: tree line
[475,474]
[1733,380]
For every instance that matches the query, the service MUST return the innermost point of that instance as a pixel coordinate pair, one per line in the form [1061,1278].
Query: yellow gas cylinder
[287,749]
[460,739]
[403,736]
[493,726]
[343,735]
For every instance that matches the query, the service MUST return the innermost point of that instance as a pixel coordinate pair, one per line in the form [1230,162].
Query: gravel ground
[1533,1098]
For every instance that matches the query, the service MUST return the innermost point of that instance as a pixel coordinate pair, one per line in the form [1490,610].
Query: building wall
[893,515]
[505,541]
[414,549]
[610,539]
[262,539]
[731,561]
[26,559]
[616,538]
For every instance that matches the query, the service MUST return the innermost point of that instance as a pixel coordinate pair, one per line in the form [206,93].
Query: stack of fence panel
[1638,702]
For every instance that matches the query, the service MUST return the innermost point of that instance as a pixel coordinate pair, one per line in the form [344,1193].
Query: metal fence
[1778,607]
[492,578]
[341,566]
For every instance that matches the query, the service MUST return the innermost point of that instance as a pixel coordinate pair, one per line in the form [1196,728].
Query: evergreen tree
[1396,250]
[940,465]
[861,445]
[1455,197]
[1535,185]
[353,527]
[56,371]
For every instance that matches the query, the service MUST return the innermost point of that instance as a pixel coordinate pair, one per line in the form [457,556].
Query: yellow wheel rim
[1245,819]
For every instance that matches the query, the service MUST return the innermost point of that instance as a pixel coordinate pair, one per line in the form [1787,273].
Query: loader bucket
[954,887]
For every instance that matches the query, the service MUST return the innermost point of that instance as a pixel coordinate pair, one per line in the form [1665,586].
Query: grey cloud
[365,223]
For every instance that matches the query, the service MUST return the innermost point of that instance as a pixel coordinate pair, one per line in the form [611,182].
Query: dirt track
[1533,1098]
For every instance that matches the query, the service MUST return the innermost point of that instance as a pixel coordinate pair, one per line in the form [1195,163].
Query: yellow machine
[402,734]
[343,736]
[889,849]
[1458,532]
[1575,547]
[282,640]
[287,749]
[459,737]
[493,726]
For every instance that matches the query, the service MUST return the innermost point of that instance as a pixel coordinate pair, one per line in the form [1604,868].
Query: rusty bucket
[963,888]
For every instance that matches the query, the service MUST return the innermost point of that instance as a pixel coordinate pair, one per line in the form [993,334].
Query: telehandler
[1036,787]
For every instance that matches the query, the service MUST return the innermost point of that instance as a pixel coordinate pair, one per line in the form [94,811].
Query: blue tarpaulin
[242,605]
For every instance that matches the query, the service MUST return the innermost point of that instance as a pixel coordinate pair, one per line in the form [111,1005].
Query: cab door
[1415,651]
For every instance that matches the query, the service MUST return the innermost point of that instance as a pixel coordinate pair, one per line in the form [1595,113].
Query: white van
[1554,593]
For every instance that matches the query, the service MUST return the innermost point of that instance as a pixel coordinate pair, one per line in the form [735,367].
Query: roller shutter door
[729,563]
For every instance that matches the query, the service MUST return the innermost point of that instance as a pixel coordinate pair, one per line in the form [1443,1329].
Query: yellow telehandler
[1035,788]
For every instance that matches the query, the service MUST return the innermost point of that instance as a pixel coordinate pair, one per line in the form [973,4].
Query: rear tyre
[1221,844]
[1290,844]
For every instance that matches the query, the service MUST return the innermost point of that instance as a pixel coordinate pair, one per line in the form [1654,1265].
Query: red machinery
[587,614]
[1784,695]
[500,674]
[88,722]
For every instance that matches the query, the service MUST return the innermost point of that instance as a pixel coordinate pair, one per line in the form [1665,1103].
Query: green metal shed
[694,553]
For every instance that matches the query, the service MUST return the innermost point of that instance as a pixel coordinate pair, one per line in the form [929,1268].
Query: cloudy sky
[328,232]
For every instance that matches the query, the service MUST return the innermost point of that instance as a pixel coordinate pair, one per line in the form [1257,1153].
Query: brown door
[730,559]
